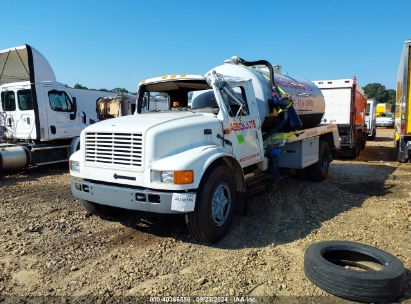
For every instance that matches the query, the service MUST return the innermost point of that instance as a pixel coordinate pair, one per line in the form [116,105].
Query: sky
[108,44]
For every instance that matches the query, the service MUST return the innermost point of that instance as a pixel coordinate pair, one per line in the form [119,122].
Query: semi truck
[223,135]
[345,105]
[41,119]
[371,119]
[403,105]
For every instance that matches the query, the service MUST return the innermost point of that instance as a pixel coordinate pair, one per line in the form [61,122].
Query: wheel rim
[221,204]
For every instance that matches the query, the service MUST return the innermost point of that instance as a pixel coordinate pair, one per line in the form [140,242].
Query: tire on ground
[324,266]
[100,210]
[319,171]
[201,223]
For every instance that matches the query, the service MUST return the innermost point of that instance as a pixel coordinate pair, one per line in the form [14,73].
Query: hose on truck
[280,101]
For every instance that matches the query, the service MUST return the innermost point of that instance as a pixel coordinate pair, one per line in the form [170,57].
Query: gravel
[49,246]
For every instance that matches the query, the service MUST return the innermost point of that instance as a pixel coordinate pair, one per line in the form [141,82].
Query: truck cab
[198,153]
[41,119]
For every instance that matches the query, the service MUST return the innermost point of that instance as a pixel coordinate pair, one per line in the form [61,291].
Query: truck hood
[144,122]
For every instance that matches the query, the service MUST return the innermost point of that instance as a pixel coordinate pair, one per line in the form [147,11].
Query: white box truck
[222,135]
[345,105]
[41,119]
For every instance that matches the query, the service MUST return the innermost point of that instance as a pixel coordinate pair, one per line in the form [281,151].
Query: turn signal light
[183,177]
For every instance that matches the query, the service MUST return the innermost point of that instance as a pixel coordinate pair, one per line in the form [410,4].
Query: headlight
[170,177]
[167,176]
[74,166]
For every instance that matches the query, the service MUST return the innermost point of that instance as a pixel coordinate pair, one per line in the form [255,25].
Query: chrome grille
[114,148]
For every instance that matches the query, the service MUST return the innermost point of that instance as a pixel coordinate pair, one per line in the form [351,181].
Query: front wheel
[215,206]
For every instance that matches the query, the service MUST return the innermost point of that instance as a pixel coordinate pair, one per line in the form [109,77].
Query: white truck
[345,105]
[371,119]
[223,134]
[41,119]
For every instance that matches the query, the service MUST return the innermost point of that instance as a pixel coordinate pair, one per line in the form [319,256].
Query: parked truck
[345,105]
[223,135]
[371,119]
[117,106]
[403,105]
[40,118]
[384,108]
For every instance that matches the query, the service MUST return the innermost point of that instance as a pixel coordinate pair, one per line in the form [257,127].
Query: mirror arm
[74,114]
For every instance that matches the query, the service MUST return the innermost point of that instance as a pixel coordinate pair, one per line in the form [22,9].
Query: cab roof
[174,77]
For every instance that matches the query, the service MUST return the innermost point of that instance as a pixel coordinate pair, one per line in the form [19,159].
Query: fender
[75,144]
[197,159]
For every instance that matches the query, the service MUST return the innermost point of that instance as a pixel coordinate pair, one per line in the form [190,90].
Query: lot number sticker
[183,202]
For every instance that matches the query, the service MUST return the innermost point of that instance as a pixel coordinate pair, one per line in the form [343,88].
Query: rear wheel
[100,210]
[319,171]
[215,207]
[363,140]
[373,134]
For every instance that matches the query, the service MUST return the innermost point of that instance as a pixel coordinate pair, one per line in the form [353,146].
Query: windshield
[177,96]
[187,95]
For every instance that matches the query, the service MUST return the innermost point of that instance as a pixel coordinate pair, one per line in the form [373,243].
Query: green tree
[376,91]
[104,90]
[391,96]
[120,90]
[79,86]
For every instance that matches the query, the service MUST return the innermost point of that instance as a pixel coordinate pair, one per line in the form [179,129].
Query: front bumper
[125,197]
[385,124]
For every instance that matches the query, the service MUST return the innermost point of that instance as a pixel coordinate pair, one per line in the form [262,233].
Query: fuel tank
[13,157]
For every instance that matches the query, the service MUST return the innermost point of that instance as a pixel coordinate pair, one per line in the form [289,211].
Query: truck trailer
[41,119]
[403,105]
[223,135]
[345,105]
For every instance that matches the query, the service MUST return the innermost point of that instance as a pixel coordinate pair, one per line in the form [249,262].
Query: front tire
[215,206]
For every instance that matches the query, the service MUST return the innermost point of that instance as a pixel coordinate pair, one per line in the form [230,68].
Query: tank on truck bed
[41,119]
[220,136]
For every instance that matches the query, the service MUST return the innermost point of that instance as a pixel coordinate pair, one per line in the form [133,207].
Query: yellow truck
[403,105]
[383,108]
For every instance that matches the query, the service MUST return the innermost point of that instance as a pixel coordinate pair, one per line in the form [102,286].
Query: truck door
[245,124]
[19,117]
[60,107]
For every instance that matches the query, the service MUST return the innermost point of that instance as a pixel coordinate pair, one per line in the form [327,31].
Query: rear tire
[374,134]
[319,171]
[100,210]
[215,206]
[363,139]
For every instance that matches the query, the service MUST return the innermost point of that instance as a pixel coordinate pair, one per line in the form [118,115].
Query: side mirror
[74,114]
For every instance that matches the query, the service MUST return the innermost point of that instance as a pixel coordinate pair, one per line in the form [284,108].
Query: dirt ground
[50,248]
